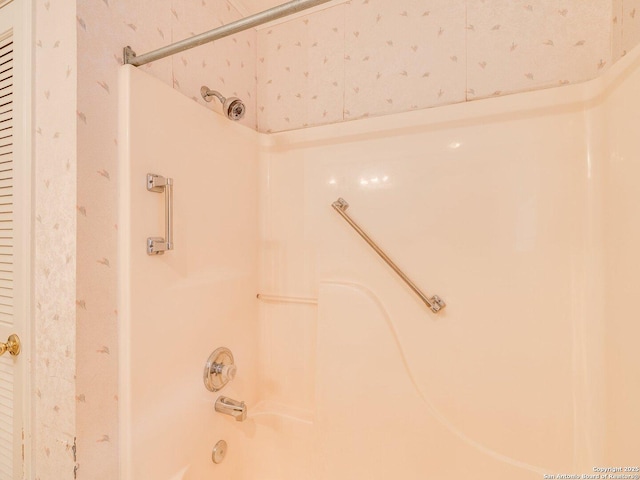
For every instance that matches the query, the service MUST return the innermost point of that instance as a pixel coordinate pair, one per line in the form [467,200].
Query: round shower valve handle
[219,369]
[226,372]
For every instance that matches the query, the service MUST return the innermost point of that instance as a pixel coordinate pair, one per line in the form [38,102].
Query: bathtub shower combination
[267,334]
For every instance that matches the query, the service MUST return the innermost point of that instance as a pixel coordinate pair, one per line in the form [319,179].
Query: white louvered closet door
[15,231]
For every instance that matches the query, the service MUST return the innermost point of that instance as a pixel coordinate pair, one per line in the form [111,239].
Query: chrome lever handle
[160,184]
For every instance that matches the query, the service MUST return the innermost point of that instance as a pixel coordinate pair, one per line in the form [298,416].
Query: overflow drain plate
[219,452]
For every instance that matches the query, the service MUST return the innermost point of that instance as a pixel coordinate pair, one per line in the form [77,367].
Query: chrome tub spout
[232,407]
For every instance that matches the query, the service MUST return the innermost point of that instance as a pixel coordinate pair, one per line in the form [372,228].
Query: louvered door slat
[5,392]
[5,460]
[5,402]
[15,160]
[8,310]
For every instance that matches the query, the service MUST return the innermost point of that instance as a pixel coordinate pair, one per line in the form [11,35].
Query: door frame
[24,219]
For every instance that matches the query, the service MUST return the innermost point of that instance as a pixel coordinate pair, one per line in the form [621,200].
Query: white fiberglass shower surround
[521,212]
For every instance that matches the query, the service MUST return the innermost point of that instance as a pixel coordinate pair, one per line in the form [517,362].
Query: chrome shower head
[232,107]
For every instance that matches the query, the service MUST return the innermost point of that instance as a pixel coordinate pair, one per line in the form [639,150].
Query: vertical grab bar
[435,303]
[160,184]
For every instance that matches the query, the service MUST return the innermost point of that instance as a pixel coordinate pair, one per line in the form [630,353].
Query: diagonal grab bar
[435,303]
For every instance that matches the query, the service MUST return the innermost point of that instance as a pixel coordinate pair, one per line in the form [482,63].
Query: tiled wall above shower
[227,65]
[375,57]
[626,26]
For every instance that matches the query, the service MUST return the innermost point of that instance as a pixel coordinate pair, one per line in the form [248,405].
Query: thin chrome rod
[283,299]
[251,21]
[435,303]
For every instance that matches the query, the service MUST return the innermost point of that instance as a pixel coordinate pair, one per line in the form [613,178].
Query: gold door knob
[12,346]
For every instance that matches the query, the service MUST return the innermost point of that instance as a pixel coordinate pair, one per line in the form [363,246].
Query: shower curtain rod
[245,23]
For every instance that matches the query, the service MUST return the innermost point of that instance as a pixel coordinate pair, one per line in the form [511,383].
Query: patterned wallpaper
[626,26]
[374,57]
[55,240]
[104,27]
